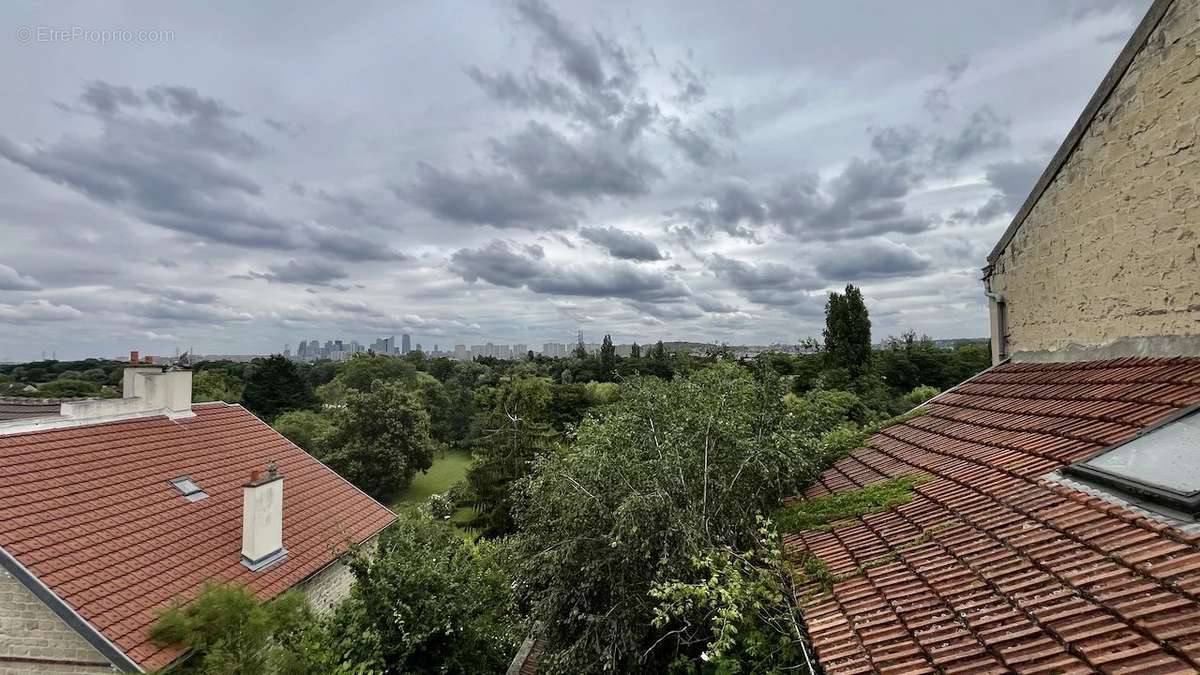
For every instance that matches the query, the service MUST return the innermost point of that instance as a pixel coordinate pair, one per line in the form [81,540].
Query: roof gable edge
[1107,85]
[68,615]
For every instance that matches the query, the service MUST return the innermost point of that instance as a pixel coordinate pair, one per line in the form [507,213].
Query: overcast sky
[260,173]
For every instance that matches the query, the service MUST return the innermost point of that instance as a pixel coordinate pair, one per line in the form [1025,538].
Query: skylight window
[188,488]
[1160,466]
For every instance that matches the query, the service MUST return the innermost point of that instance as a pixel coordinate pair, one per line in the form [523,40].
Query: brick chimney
[262,519]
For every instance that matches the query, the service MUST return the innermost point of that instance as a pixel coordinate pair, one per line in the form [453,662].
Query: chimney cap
[257,476]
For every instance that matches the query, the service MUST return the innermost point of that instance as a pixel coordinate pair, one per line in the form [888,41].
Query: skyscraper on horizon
[405,343]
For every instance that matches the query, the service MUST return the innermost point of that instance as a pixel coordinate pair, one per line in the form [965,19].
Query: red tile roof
[993,568]
[89,511]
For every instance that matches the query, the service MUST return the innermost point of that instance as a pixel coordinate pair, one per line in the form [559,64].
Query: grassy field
[447,470]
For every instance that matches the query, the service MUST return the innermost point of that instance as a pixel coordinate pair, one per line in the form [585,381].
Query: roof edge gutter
[69,616]
[1125,59]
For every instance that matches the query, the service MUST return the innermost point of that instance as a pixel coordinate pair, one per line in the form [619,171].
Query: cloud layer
[520,171]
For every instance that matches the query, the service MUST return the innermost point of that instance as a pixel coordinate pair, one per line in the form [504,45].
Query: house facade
[115,509]
[1103,259]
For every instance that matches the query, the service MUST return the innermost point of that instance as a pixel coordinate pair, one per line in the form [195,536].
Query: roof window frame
[1169,501]
[191,495]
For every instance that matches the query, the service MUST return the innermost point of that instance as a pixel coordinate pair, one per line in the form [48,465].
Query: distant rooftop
[19,408]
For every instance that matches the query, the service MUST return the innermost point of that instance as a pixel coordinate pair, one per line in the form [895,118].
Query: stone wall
[326,589]
[1106,263]
[34,641]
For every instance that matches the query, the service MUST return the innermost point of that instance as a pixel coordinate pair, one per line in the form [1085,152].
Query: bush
[429,602]
[230,633]
[920,395]
[439,507]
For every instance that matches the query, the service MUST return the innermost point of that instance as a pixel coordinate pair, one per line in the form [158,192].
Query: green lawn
[447,470]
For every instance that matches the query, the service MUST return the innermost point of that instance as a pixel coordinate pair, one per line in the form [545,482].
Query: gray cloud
[691,85]
[623,244]
[311,272]
[1013,181]
[495,199]
[733,209]
[714,306]
[865,199]
[593,79]
[895,143]
[166,156]
[674,311]
[766,283]
[168,311]
[697,146]
[148,197]
[37,311]
[503,265]
[11,280]
[937,98]
[292,130]
[874,259]
[985,130]
[548,161]
[178,294]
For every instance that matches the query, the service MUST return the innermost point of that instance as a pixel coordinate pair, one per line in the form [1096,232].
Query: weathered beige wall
[1109,255]
[326,589]
[34,641]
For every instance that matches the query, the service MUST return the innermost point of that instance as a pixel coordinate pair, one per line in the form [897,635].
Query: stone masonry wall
[1109,254]
[330,586]
[34,641]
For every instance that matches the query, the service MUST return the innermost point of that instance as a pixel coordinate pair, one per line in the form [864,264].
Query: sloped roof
[19,408]
[994,568]
[89,511]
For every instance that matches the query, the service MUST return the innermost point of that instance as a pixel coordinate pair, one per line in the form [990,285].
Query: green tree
[68,389]
[380,439]
[361,370]
[742,609]
[305,428]
[216,385]
[848,331]
[513,432]
[276,386]
[635,351]
[581,351]
[669,473]
[659,351]
[429,602]
[608,358]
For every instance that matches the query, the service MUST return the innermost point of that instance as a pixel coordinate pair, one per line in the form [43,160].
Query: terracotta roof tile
[90,512]
[993,568]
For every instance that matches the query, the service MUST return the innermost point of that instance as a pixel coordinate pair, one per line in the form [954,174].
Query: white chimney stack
[262,519]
